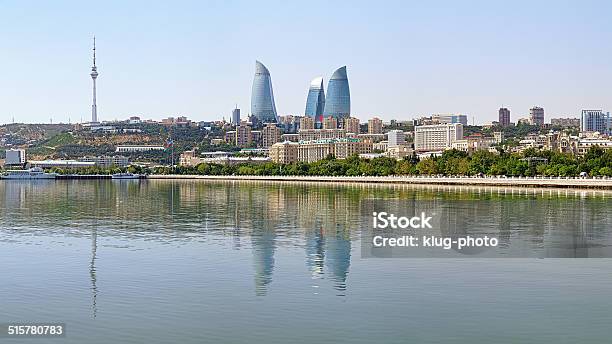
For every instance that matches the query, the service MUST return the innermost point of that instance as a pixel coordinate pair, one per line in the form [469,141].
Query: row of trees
[596,162]
[452,162]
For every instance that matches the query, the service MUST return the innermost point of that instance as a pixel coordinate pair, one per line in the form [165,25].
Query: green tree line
[596,162]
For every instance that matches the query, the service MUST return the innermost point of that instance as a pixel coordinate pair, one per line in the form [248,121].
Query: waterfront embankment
[543,182]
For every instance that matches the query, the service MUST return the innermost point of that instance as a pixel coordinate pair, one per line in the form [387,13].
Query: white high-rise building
[595,120]
[94,76]
[436,137]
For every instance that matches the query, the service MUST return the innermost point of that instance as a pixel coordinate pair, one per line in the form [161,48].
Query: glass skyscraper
[262,97]
[338,101]
[315,102]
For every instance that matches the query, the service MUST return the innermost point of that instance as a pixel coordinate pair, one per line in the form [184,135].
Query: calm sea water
[223,262]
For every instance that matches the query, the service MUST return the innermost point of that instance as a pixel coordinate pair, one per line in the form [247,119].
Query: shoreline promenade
[542,182]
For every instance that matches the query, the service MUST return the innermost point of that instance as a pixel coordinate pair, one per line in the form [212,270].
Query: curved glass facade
[338,101]
[262,97]
[315,102]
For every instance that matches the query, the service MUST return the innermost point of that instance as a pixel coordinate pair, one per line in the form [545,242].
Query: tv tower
[94,76]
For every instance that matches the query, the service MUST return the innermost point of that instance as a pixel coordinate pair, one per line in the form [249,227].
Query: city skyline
[402,65]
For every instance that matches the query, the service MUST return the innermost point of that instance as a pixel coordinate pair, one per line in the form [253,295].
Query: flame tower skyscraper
[338,100]
[262,97]
[94,76]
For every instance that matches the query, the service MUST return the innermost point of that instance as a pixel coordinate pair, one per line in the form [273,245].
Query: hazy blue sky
[404,58]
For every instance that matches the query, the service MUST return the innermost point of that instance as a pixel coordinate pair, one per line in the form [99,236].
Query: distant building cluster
[565,143]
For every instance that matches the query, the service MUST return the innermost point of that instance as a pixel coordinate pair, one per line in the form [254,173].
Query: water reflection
[263,257]
[322,221]
[92,271]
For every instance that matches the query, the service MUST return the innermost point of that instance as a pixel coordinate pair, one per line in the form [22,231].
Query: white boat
[125,176]
[32,173]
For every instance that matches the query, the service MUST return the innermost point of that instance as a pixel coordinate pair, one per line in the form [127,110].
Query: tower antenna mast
[94,76]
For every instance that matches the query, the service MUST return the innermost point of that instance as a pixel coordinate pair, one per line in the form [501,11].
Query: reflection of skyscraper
[315,252]
[262,97]
[571,238]
[315,102]
[338,101]
[263,243]
[338,257]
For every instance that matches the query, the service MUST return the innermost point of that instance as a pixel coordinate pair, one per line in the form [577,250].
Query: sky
[404,58]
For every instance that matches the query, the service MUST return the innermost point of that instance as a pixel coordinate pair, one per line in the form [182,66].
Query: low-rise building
[189,158]
[180,121]
[400,151]
[136,148]
[320,134]
[109,129]
[449,118]
[523,121]
[370,137]
[62,163]
[107,161]
[473,143]
[583,145]
[134,120]
[230,137]
[499,136]
[284,152]
[311,151]
[441,119]
[565,122]
[290,137]
[381,146]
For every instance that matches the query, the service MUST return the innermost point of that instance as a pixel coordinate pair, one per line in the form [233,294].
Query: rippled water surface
[223,262]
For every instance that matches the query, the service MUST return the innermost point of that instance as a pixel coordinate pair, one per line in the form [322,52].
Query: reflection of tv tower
[92,269]
[94,76]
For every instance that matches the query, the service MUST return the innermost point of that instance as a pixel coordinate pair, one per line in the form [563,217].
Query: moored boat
[32,173]
[125,175]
